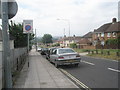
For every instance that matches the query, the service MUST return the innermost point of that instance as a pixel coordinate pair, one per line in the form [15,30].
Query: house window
[102,34]
[114,34]
[98,34]
[108,34]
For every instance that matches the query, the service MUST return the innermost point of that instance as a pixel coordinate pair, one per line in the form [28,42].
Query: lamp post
[68,21]
[35,39]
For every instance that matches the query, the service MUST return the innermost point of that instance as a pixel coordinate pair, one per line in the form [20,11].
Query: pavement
[41,74]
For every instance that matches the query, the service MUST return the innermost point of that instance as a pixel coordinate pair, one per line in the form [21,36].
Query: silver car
[65,56]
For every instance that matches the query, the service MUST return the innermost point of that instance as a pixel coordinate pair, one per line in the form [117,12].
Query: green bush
[57,44]
[111,41]
[73,45]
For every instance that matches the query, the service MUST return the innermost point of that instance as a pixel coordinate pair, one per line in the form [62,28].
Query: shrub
[73,45]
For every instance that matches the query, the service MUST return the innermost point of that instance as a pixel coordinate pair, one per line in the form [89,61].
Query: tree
[20,39]
[47,38]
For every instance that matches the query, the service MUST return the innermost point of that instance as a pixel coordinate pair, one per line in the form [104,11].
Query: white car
[39,49]
[65,56]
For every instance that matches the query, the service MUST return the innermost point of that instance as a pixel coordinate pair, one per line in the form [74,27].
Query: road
[95,73]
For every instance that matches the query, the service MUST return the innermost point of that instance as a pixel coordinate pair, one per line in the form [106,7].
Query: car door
[53,56]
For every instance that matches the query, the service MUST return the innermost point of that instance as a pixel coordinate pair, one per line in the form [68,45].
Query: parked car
[44,51]
[64,56]
[39,49]
[50,52]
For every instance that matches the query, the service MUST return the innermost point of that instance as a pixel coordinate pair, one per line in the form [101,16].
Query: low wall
[88,47]
[18,58]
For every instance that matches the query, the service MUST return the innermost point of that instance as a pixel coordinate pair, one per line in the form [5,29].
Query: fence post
[101,51]
[117,54]
[92,52]
[108,52]
[88,51]
[96,51]
[17,64]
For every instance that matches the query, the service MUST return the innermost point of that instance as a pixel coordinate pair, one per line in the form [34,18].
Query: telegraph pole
[6,45]
[35,39]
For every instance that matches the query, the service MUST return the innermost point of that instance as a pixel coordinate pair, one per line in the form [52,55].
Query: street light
[68,21]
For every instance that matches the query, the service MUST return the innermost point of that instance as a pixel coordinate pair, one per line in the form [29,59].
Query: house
[66,41]
[84,43]
[88,36]
[11,41]
[105,32]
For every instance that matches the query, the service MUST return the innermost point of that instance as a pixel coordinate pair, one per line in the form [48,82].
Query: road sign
[12,8]
[27,26]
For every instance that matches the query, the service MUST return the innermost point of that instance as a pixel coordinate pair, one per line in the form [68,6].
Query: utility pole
[68,21]
[6,45]
[64,38]
[35,39]
[28,47]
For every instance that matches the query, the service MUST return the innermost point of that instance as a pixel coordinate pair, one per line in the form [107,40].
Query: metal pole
[35,39]
[64,38]
[68,26]
[6,45]
[69,31]
[28,49]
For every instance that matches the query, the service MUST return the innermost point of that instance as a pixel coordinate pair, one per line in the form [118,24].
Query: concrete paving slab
[42,74]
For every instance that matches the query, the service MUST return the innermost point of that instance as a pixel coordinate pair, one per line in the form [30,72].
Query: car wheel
[77,64]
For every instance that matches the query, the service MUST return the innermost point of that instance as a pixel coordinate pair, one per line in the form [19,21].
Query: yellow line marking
[76,80]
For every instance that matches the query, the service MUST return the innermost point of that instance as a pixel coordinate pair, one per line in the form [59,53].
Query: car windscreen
[61,51]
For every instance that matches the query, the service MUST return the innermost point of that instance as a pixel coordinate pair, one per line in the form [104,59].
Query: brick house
[86,41]
[105,32]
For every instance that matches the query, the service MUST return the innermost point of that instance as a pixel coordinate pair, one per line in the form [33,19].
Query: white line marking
[76,80]
[87,62]
[113,70]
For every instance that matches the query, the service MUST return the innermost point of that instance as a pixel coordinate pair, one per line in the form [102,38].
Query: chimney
[114,20]
[64,35]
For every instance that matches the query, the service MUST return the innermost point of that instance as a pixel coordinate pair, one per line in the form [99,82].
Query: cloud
[84,15]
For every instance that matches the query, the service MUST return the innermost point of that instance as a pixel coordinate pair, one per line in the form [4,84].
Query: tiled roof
[88,35]
[109,27]
[72,38]
[114,27]
[103,28]
[84,41]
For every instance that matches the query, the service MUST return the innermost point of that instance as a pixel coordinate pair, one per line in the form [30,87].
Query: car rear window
[61,51]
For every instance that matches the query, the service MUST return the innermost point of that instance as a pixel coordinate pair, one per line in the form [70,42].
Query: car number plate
[70,61]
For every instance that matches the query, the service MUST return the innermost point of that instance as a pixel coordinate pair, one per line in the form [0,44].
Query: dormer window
[102,34]
[108,34]
[98,34]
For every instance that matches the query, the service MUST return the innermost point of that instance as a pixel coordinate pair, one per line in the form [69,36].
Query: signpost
[6,12]
[27,26]
[27,29]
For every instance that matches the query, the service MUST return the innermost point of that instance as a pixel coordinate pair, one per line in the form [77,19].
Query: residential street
[95,73]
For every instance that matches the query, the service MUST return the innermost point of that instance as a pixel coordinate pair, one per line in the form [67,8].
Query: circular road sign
[12,8]
[27,27]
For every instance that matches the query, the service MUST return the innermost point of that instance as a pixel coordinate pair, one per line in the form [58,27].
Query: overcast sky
[84,15]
